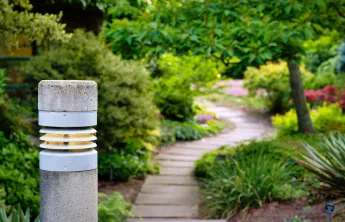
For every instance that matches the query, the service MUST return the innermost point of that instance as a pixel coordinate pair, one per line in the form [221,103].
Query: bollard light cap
[67,96]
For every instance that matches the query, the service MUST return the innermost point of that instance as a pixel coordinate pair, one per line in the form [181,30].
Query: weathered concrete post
[68,161]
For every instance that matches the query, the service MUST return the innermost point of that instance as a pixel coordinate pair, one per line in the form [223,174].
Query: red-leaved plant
[329,94]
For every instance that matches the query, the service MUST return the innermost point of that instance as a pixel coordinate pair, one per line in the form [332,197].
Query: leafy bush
[189,131]
[177,75]
[320,50]
[208,162]
[325,118]
[328,94]
[19,172]
[247,176]
[113,208]
[274,78]
[16,215]
[126,164]
[125,108]
[174,98]
[173,131]
[320,80]
[328,165]
[11,113]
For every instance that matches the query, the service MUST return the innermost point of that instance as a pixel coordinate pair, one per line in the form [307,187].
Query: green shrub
[3,80]
[126,164]
[174,98]
[274,78]
[325,118]
[214,126]
[207,163]
[16,215]
[189,131]
[113,208]
[173,131]
[320,50]
[125,108]
[11,113]
[2,196]
[173,89]
[19,172]
[240,178]
[320,80]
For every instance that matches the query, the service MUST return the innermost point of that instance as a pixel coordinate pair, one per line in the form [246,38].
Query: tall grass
[255,174]
[328,164]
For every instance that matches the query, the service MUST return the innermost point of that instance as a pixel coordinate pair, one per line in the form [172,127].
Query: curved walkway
[173,195]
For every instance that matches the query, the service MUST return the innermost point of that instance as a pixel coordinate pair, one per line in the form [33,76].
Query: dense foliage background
[152,60]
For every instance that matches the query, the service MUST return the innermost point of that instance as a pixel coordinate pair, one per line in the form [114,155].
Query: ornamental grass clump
[328,165]
[237,179]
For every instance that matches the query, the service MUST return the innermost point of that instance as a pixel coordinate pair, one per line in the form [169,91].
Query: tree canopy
[17,20]
[239,33]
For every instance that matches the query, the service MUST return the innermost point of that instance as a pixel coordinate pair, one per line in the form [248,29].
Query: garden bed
[286,211]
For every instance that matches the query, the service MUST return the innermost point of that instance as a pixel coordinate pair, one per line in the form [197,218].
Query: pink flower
[204,118]
[261,91]
[237,91]
[232,83]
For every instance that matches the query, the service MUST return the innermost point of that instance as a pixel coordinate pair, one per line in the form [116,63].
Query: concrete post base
[69,196]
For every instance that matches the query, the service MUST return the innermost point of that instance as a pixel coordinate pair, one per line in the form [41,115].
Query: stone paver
[171,180]
[149,188]
[169,163]
[165,211]
[164,156]
[172,220]
[168,198]
[181,171]
[173,195]
[200,146]
[185,152]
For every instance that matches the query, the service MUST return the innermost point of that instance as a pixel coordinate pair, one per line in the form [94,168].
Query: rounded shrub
[174,98]
[125,108]
[126,112]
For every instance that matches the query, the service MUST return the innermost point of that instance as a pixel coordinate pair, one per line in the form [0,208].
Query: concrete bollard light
[68,161]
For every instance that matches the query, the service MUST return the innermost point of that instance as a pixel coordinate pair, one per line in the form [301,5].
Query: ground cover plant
[113,208]
[237,179]
[204,123]
[19,172]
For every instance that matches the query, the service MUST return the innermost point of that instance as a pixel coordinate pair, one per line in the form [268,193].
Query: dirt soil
[129,189]
[285,211]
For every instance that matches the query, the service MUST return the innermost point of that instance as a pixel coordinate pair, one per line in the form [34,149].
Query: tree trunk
[304,122]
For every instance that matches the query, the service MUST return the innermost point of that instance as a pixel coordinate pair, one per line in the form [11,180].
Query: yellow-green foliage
[274,78]
[194,69]
[16,19]
[325,118]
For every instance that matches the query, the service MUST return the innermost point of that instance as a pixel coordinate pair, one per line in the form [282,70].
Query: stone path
[173,195]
